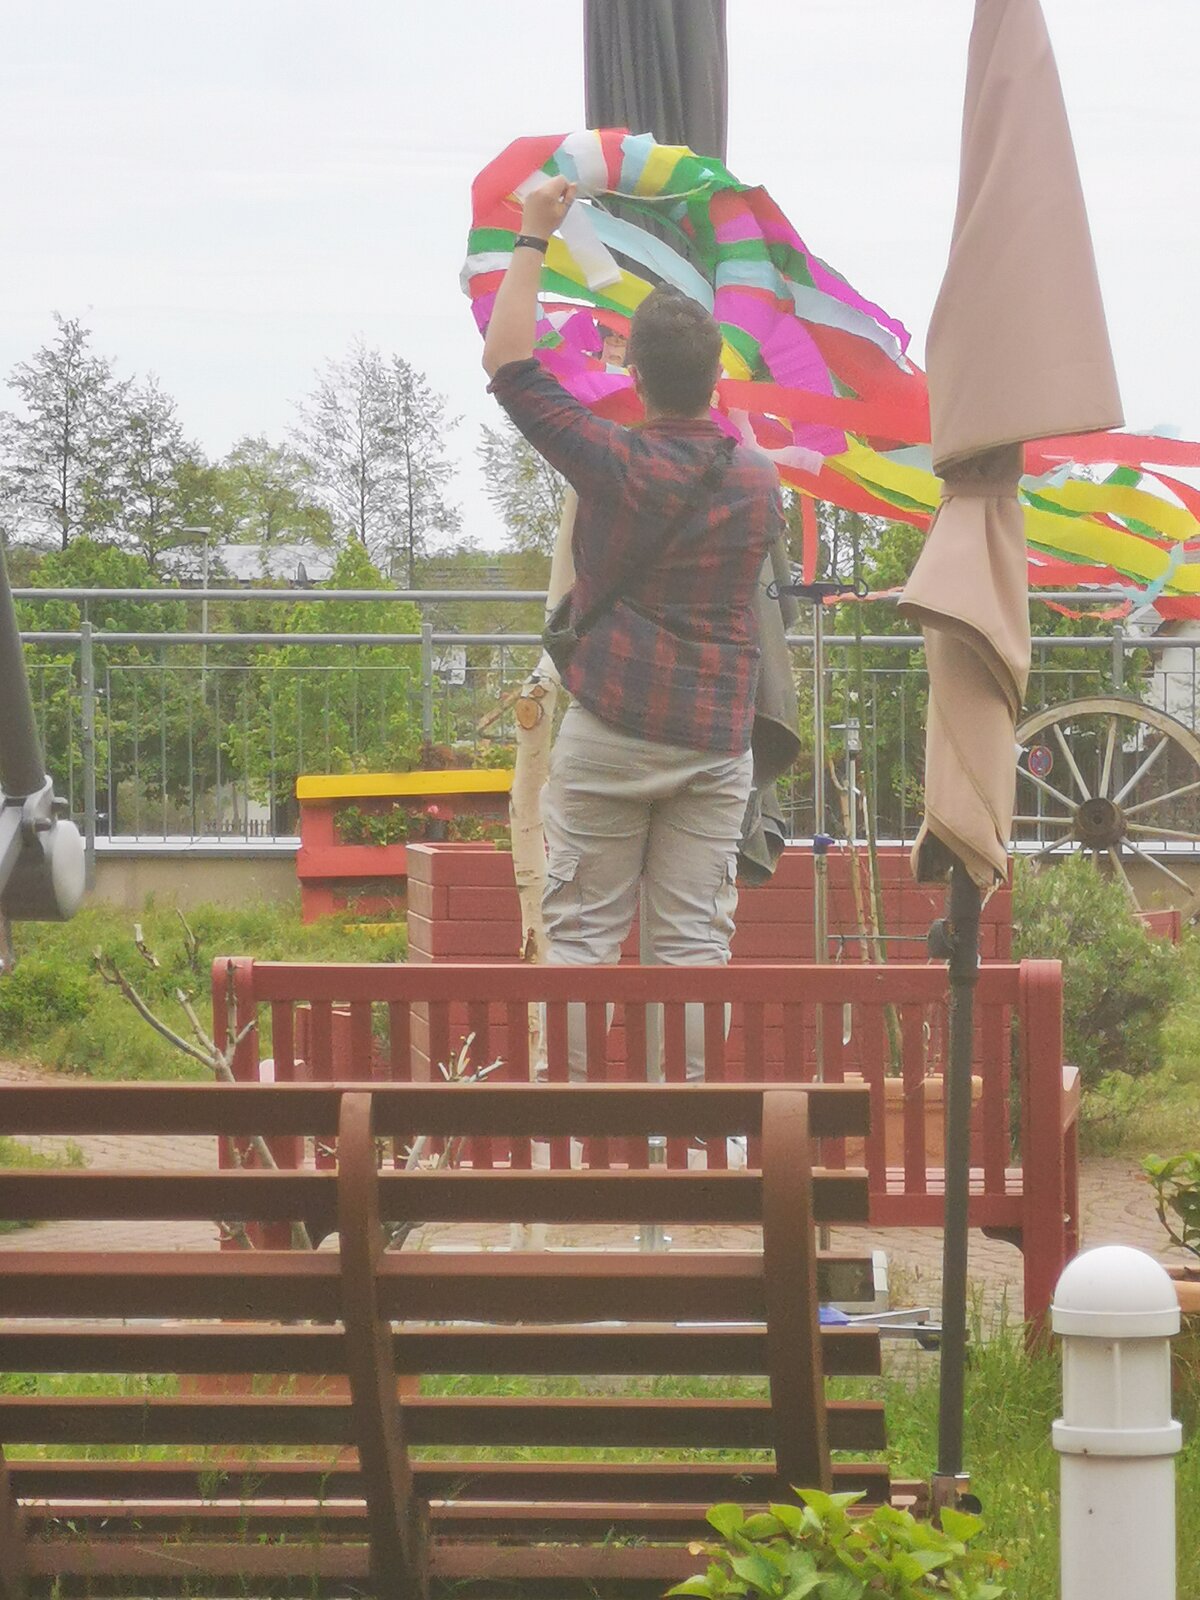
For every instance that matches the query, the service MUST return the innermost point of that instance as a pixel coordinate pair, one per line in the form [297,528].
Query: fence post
[1118,658]
[1117,1309]
[87,686]
[427,682]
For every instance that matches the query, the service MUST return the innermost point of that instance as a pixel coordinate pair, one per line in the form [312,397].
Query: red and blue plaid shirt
[675,658]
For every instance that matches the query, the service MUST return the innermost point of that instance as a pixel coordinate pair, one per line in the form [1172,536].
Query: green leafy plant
[356,825]
[1176,1183]
[1118,983]
[817,1548]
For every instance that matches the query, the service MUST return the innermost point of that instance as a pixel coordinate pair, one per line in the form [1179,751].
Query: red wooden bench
[297,1489]
[398,1022]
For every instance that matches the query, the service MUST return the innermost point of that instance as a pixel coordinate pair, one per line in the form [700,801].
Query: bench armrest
[1071,1091]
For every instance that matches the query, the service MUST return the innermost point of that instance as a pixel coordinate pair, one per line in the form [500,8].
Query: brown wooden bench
[329,1021]
[357,1490]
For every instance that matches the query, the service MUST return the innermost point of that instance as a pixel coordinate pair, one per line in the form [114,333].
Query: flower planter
[933,1092]
[335,872]
[1187,1288]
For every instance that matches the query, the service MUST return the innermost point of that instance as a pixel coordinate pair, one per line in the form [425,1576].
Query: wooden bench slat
[183,1562]
[583,1422]
[853,1425]
[551,1110]
[645,1350]
[476,1286]
[678,1198]
[620,1488]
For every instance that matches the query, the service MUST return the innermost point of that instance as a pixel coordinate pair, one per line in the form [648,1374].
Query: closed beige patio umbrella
[1017,350]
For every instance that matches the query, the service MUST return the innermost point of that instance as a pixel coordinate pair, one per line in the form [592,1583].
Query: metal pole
[427,682]
[958,942]
[87,685]
[820,838]
[22,770]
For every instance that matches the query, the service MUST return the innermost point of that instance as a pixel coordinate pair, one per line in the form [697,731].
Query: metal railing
[172,736]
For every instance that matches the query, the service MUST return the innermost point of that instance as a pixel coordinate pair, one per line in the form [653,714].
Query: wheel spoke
[1143,769]
[1070,760]
[1115,858]
[1153,861]
[1048,788]
[1162,833]
[1051,848]
[1055,822]
[1161,799]
[1110,746]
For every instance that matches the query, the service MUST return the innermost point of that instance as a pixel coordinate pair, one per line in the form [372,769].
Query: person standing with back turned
[651,769]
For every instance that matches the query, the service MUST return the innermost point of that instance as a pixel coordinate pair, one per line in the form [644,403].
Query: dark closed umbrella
[1017,350]
[658,66]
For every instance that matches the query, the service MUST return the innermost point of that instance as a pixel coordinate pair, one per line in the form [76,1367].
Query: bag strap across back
[708,481]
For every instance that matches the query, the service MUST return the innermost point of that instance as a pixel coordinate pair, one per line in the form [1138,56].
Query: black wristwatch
[531,241]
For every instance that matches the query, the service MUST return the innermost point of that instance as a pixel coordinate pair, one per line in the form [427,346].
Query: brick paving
[1116,1204]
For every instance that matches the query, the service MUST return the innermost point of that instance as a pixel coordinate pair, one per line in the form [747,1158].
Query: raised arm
[512,329]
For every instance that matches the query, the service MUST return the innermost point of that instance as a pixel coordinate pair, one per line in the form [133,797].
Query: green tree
[270,494]
[526,492]
[142,499]
[422,473]
[374,431]
[61,449]
[333,708]
[140,708]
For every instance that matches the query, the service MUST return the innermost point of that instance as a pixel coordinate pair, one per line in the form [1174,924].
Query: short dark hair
[676,347]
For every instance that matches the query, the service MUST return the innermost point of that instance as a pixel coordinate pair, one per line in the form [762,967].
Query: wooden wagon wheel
[1111,777]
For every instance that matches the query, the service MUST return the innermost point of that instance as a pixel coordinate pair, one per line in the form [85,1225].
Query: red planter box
[463,906]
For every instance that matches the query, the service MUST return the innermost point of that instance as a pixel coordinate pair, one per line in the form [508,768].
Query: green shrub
[55,1010]
[1176,1184]
[1118,983]
[41,994]
[818,1549]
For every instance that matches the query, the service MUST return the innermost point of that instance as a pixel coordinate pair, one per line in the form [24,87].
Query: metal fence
[187,735]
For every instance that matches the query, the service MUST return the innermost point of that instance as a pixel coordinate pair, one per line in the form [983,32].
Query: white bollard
[1117,1310]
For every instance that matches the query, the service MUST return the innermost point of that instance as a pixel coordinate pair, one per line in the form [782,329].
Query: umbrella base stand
[951,1489]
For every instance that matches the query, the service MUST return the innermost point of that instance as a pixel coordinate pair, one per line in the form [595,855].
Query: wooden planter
[933,1095]
[1187,1287]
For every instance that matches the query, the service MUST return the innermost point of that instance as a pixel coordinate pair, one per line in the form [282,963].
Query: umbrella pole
[956,939]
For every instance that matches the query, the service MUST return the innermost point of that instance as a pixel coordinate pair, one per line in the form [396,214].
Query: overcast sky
[229,191]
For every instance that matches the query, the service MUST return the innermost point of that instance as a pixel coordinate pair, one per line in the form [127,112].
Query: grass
[56,1012]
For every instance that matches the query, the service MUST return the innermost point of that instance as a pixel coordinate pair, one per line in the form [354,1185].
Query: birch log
[534,712]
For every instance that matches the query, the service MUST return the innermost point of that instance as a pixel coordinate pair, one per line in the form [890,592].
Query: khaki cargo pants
[620,812]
